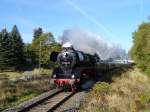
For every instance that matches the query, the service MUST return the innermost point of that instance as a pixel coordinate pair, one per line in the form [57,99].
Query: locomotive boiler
[74,67]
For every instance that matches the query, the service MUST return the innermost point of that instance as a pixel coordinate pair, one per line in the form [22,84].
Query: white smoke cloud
[91,43]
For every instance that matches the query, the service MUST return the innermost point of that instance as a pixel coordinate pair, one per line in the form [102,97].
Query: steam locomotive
[75,67]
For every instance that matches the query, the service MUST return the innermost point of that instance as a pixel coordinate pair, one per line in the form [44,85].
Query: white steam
[92,43]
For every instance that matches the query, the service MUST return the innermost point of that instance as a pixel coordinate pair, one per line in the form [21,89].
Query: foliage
[29,55]
[101,88]
[14,54]
[140,51]
[42,47]
[129,93]
[4,49]
[37,32]
[11,49]
[17,48]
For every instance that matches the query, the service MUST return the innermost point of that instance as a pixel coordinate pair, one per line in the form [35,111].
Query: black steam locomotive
[76,66]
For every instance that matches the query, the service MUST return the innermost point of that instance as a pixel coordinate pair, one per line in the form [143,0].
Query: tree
[37,32]
[5,50]
[42,47]
[140,51]
[17,47]
[2,64]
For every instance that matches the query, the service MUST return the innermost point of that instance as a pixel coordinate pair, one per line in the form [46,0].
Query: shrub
[129,93]
[141,42]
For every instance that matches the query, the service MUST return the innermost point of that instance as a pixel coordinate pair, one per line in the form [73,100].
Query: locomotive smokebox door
[53,56]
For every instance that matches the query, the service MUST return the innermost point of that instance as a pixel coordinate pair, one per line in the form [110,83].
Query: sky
[113,20]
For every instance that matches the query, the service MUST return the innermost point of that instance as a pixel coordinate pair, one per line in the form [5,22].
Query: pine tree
[17,48]
[1,52]
[5,50]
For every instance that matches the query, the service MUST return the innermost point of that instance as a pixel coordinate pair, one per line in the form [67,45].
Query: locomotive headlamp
[54,76]
[73,76]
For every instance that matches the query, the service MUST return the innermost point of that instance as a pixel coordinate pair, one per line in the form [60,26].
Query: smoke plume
[91,43]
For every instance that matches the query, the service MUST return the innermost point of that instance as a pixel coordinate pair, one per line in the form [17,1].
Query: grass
[129,92]
[42,72]
[14,100]
[17,74]
[13,93]
[10,74]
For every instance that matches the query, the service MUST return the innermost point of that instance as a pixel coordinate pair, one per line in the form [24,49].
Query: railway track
[53,103]
[73,104]
[47,102]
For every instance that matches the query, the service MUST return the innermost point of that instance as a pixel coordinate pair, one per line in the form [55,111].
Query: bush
[129,93]
[140,51]
[101,87]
